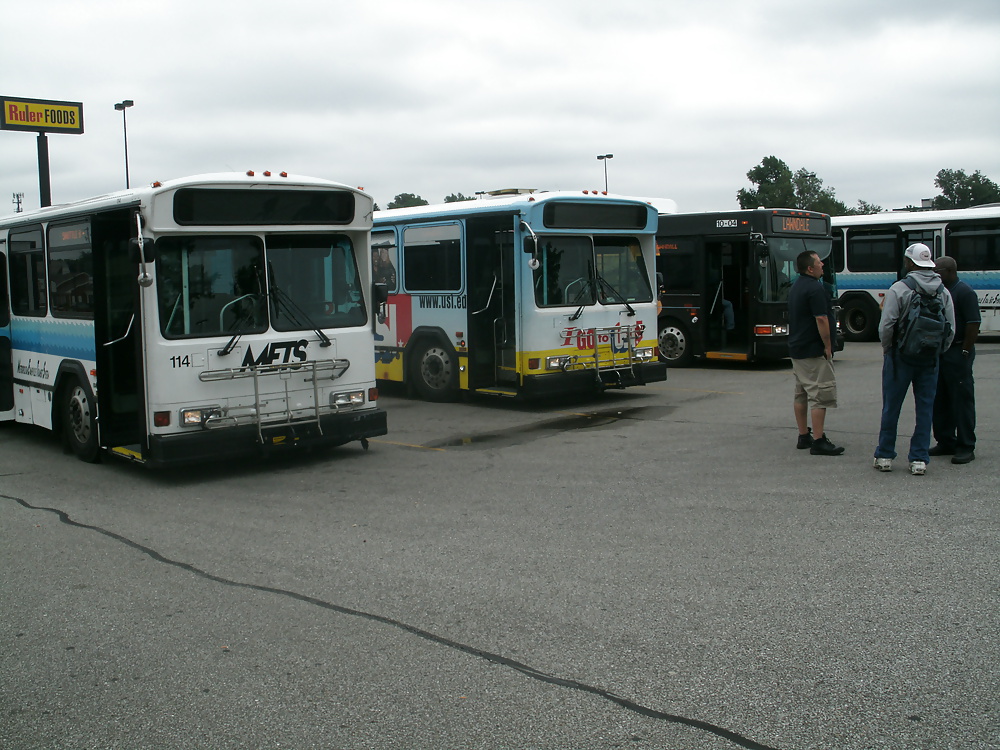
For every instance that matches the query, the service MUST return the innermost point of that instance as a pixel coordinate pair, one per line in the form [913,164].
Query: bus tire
[675,343]
[434,372]
[859,320]
[79,423]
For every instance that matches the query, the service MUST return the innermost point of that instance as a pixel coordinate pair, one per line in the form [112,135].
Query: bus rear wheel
[435,373]
[675,344]
[79,423]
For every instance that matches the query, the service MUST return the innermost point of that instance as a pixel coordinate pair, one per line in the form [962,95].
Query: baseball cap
[920,254]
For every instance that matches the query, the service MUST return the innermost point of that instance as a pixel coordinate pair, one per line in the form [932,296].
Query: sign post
[41,116]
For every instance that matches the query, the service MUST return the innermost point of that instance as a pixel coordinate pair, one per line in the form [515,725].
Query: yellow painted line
[404,445]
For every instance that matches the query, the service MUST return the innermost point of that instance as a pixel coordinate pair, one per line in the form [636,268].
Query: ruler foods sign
[41,116]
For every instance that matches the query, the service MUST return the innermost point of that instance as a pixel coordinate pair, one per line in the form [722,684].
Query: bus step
[131,452]
[506,392]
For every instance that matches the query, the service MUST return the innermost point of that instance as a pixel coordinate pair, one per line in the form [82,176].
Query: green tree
[773,179]
[865,208]
[810,195]
[959,190]
[405,200]
[456,197]
[779,187]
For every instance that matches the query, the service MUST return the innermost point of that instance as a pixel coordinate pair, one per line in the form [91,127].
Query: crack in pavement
[525,669]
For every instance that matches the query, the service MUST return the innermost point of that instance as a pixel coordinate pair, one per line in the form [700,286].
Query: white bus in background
[868,259]
[520,293]
[195,319]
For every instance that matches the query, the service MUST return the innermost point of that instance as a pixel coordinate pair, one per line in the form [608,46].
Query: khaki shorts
[815,382]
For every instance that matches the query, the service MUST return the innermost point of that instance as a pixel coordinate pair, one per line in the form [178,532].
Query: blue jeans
[897,377]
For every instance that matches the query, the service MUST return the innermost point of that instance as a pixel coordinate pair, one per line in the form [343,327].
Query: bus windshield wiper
[239,326]
[293,311]
[583,289]
[615,293]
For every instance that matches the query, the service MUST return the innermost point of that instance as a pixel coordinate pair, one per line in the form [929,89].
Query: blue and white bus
[519,293]
[194,319]
[868,259]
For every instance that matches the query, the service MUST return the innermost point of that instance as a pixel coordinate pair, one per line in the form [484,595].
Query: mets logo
[277,352]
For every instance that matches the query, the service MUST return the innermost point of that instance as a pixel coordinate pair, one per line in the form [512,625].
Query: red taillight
[534,363]
[763,330]
[161,418]
[372,394]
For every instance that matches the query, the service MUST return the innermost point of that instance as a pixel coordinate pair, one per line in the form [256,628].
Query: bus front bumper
[213,445]
[587,380]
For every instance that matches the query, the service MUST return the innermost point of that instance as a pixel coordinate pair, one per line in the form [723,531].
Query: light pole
[604,158]
[121,107]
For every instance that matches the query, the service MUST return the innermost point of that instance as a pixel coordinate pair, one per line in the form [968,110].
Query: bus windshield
[215,285]
[777,276]
[570,267]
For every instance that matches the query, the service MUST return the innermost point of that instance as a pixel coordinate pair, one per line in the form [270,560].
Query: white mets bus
[195,319]
[518,293]
[868,259]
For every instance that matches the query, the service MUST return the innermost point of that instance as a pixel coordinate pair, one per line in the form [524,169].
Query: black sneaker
[805,441]
[941,450]
[963,456]
[823,447]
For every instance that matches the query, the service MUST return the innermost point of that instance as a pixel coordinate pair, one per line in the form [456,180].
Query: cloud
[448,96]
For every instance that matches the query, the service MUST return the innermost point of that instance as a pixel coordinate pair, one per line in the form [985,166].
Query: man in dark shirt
[811,327]
[955,402]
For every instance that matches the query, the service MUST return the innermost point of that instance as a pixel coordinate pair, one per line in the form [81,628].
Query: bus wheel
[435,373]
[860,322]
[79,425]
[675,344]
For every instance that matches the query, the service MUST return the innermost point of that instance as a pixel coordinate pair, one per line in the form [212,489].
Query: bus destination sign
[798,225]
[41,115]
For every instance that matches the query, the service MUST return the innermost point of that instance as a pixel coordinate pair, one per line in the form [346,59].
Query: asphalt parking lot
[656,568]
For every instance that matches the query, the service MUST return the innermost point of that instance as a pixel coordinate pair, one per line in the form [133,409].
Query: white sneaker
[918,467]
[883,464]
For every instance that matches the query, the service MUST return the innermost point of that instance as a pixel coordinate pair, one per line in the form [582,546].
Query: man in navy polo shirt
[955,402]
[811,327]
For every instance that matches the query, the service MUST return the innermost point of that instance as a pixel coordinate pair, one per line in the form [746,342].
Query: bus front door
[6,355]
[118,327]
[490,304]
[726,317]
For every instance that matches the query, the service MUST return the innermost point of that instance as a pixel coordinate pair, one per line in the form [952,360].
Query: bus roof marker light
[249,173]
[266,173]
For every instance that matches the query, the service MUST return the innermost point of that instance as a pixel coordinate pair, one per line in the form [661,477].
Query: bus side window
[27,273]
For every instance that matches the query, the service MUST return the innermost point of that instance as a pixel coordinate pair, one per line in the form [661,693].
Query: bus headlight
[347,398]
[644,353]
[770,330]
[561,362]
[197,416]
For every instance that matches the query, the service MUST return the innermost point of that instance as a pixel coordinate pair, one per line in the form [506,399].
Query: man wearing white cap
[898,373]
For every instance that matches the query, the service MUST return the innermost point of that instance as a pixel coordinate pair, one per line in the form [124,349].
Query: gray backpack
[922,328]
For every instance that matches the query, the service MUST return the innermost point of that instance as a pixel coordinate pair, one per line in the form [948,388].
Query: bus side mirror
[530,246]
[148,254]
[659,280]
[380,292]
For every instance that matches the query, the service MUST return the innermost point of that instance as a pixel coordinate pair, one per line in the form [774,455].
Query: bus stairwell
[274,413]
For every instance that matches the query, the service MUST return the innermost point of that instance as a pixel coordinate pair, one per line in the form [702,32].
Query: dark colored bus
[724,278]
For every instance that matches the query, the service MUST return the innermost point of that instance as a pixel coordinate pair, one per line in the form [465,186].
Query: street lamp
[604,158]
[121,107]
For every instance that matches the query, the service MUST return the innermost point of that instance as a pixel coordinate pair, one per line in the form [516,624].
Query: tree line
[778,187]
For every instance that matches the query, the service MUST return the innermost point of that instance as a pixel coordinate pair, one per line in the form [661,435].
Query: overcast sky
[439,96]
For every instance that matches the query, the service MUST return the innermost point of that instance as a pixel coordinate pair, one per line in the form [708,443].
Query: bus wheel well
[431,366]
[674,341]
[859,317]
[77,413]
